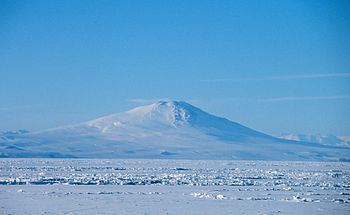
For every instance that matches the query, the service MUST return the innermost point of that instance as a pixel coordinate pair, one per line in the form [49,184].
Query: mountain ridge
[328,140]
[165,129]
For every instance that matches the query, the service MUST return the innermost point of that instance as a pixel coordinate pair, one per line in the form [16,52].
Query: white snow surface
[115,186]
[164,130]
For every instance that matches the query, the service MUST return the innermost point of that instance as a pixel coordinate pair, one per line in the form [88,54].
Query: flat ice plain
[100,186]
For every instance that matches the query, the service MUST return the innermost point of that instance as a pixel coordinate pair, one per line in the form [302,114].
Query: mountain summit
[162,116]
[172,113]
[165,129]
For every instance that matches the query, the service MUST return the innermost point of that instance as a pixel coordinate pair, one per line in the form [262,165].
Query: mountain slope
[163,130]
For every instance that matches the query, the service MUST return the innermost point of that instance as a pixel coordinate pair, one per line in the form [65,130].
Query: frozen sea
[100,186]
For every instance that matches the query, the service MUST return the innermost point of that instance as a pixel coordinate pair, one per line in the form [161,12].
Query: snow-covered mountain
[4,135]
[169,129]
[330,140]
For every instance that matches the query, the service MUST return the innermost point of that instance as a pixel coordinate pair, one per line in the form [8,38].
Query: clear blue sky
[276,66]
